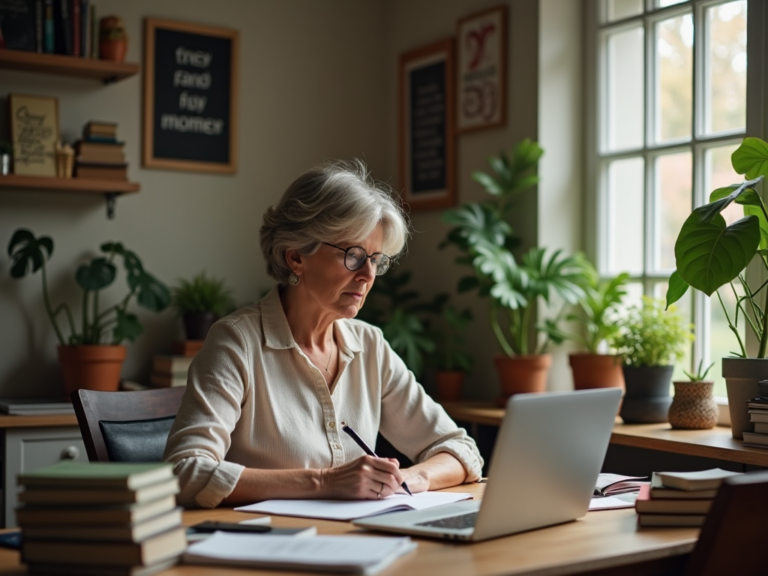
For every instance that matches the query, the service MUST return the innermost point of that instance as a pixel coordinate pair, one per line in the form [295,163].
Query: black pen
[367,449]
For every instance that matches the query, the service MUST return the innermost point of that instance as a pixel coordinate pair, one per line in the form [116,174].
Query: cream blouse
[255,400]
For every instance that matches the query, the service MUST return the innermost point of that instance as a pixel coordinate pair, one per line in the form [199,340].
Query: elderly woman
[261,417]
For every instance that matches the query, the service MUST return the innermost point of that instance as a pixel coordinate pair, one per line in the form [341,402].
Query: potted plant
[484,238]
[711,255]
[201,301]
[91,356]
[6,153]
[452,360]
[599,320]
[693,406]
[113,39]
[651,340]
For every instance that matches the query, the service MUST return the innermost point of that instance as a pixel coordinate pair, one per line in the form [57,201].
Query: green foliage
[403,319]
[451,351]
[202,293]
[651,335]
[484,237]
[711,254]
[29,254]
[699,375]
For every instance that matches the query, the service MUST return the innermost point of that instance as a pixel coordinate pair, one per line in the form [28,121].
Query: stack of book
[35,407]
[169,370]
[758,415]
[100,518]
[679,498]
[99,155]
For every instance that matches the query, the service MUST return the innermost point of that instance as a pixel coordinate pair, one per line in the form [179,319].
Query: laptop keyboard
[456,522]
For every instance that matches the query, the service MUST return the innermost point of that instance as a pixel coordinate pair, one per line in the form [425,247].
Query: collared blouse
[255,400]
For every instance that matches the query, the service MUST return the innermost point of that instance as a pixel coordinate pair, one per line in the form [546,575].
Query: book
[669,520]
[106,475]
[135,532]
[758,415]
[81,515]
[62,23]
[75,27]
[167,380]
[186,347]
[755,440]
[18,23]
[94,35]
[701,480]
[34,406]
[100,127]
[761,427]
[101,172]
[85,570]
[49,35]
[647,505]
[85,28]
[160,547]
[610,484]
[659,491]
[91,496]
[39,28]
[342,554]
[99,152]
[171,364]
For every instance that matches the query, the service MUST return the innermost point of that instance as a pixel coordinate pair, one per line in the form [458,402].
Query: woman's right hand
[366,478]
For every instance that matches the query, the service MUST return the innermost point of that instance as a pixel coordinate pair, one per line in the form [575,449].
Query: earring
[293,279]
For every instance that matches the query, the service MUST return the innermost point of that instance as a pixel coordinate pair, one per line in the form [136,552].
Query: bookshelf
[72,66]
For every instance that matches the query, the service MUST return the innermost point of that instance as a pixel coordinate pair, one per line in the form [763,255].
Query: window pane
[726,67]
[625,89]
[618,9]
[685,309]
[722,341]
[718,172]
[672,205]
[625,216]
[664,3]
[674,78]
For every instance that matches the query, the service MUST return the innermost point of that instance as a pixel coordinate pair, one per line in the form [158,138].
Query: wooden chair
[126,426]
[732,537]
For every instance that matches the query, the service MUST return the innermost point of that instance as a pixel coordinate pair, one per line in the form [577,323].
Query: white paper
[337,553]
[352,509]
[613,502]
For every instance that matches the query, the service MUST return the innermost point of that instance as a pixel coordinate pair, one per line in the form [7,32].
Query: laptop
[548,454]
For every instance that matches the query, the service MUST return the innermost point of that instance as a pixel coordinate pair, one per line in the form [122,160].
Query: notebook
[543,470]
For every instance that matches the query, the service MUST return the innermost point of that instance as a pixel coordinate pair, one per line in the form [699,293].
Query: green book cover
[114,475]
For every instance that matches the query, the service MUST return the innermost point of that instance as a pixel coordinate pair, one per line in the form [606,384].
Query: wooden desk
[716,443]
[607,542]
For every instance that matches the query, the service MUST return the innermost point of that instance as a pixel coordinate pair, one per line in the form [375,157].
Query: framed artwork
[34,133]
[482,70]
[427,137]
[190,97]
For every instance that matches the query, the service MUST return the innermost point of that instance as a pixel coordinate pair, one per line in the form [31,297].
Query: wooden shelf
[38,421]
[103,70]
[73,185]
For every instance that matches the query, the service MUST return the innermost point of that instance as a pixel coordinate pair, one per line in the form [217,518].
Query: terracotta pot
[596,371]
[197,324]
[647,398]
[741,378]
[693,407]
[91,367]
[449,385]
[522,374]
[113,50]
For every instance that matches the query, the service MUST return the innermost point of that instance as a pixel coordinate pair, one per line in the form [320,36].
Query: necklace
[330,355]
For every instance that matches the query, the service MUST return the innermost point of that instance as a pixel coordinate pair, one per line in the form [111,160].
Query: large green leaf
[676,289]
[128,327]
[751,158]
[27,252]
[151,293]
[406,334]
[96,275]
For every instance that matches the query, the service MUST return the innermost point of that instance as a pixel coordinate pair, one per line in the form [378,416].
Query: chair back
[732,536]
[126,426]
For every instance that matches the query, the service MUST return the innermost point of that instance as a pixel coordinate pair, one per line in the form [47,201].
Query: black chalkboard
[190,104]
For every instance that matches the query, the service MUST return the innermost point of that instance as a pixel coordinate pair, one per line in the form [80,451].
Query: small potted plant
[651,340]
[694,406]
[91,356]
[113,39]
[452,361]
[6,154]
[201,301]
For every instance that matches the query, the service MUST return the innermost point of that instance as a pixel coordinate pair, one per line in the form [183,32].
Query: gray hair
[334,202]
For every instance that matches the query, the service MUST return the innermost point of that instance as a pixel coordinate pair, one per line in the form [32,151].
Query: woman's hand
[366,478]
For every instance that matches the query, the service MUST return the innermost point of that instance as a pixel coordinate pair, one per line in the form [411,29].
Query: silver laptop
[544,468]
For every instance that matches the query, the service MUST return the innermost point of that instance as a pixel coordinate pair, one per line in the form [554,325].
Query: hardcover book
[92,515]
[701,480]
[18,23]
[647,505]
[107,475]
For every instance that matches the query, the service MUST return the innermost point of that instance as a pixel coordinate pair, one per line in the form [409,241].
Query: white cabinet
[28,448]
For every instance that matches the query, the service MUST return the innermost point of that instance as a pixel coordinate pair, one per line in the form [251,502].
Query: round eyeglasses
[355,257]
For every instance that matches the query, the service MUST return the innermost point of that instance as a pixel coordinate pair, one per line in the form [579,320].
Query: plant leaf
[676,289]
[751,158]
[128,327]
[96,275]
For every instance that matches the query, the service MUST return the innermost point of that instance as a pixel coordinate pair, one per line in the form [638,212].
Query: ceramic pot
[741,378]
[521,374]
[449,384]
[647,399]
[113,50]
[693,407]
[91,367]
[197,324]
[596,371]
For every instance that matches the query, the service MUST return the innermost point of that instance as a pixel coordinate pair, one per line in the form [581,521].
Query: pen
[367,449]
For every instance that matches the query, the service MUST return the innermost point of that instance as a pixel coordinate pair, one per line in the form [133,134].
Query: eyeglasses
[355,257]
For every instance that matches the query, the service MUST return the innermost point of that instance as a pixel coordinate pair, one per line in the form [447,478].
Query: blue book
[49,36]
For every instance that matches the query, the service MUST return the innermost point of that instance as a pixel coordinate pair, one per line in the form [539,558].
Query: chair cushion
[137,440]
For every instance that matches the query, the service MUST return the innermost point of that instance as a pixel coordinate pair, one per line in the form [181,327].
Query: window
[670,108]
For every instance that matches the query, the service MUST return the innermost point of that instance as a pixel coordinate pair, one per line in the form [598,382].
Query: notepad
[352,509]
[347,554]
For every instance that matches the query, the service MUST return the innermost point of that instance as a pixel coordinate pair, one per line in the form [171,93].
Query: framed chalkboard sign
[190,96]
[427,140]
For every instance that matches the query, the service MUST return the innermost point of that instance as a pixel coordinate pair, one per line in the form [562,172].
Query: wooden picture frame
[190,96]
[482,70]
[34,122]
[427,136]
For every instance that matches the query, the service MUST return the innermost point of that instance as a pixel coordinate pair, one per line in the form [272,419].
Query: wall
[312,87]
